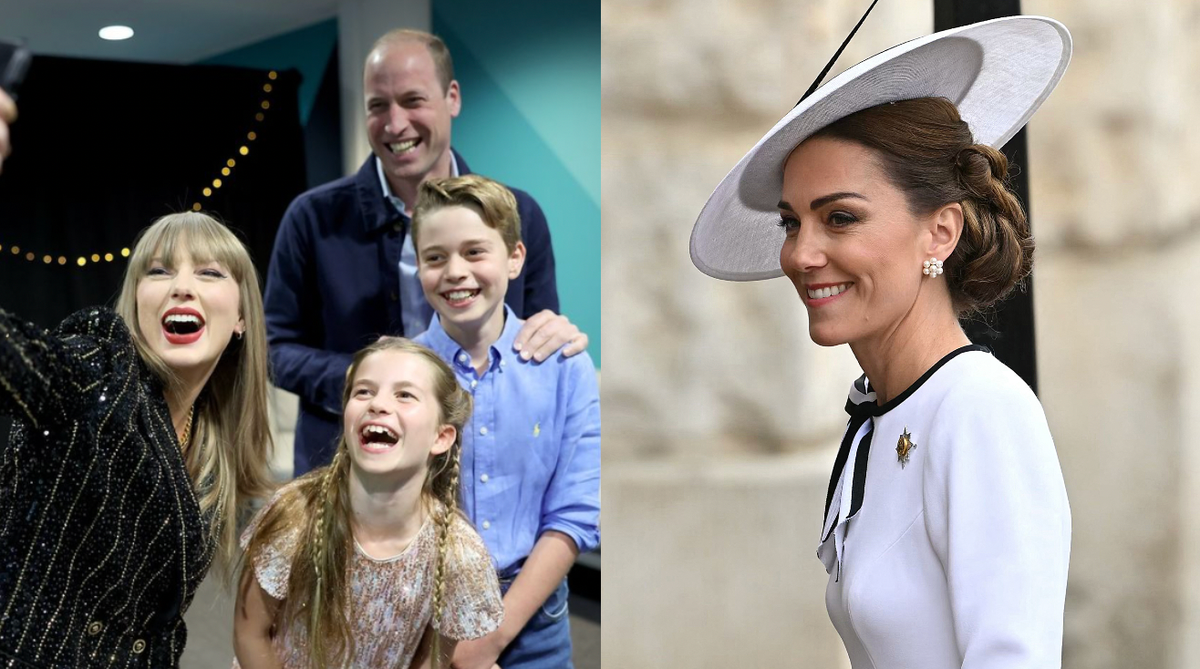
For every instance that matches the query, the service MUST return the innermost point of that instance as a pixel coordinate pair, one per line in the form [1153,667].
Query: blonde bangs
[203,237]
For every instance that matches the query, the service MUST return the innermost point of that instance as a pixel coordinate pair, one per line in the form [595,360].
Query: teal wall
[306,50]
[530,75]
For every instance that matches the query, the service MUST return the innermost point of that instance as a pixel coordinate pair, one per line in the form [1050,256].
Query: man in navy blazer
[343,270]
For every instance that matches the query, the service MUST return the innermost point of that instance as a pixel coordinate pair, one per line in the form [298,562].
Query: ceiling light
[116,32]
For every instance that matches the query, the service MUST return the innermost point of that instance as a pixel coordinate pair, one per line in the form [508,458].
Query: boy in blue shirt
[531,451]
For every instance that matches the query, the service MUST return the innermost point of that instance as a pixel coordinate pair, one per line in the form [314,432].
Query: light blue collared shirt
[531,451]
[415,311]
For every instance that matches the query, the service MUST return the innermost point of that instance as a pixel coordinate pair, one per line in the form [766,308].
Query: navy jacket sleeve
[294,327]
[541,291]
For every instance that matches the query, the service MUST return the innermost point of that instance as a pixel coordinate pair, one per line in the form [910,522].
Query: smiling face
[852,248]
[392,419]
[465,267]
[188,311]
[408,112]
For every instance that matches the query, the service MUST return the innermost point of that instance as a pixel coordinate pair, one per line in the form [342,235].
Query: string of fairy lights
[226,172]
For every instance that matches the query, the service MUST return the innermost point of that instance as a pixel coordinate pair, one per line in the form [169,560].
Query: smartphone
[14,63]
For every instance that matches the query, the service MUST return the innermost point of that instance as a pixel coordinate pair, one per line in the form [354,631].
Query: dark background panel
[1008,328]
[103,148]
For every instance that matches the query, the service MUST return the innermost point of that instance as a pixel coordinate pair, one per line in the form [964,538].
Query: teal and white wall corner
[530,81]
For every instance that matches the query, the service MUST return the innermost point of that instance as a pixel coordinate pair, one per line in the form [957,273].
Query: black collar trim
[879,410]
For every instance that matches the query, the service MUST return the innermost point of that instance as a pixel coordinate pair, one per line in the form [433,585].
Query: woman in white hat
[883,199]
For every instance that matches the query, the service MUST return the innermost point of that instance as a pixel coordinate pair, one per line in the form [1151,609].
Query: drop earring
[933,267]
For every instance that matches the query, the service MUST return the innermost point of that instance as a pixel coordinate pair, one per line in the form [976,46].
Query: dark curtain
[1008,328]
[104,148]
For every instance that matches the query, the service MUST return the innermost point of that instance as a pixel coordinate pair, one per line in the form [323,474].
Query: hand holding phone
[8,113]
[14,62]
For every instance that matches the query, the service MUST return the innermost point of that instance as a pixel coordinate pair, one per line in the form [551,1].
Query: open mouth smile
[822,294]
[376,438]
[404,147]
[182,325]
[460,297]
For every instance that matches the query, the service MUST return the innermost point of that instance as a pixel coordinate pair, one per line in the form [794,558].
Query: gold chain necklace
[187,428]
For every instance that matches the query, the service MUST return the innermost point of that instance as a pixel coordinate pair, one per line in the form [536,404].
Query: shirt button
[474,383]
[501,363]
[483,430]
[462,358]
[395,296]
[398,227]
[484,478]
[486,525]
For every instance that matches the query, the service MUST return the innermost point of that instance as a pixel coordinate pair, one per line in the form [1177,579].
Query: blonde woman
[368,562]
[138,436]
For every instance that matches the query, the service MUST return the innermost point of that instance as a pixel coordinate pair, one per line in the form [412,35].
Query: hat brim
[997,73]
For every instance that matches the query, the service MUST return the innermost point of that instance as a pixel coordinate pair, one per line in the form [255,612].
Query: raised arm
[8,114]
[45,374]
[294,327]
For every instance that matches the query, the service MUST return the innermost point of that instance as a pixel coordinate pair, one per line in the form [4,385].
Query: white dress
[959,557]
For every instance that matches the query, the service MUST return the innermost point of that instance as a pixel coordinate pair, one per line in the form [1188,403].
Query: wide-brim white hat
[996,72]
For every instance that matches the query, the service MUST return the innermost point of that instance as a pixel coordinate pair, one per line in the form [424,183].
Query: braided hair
[319,505]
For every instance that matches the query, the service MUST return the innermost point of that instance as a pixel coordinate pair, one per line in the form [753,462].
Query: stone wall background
[722,418]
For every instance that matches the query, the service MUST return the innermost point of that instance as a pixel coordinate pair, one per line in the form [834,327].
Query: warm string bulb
[225,172]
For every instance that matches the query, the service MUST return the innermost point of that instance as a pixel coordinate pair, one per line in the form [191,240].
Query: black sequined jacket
[102,541]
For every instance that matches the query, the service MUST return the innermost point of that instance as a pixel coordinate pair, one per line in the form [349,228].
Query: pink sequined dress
[392,599]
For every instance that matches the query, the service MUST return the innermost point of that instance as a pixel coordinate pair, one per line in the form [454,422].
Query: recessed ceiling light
[116,32]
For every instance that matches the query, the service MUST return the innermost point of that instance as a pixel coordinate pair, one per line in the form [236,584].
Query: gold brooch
[904,447]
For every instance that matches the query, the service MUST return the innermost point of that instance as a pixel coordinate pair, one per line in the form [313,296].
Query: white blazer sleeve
[997,514]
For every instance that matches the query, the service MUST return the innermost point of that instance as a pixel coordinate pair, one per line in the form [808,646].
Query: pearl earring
[933,267]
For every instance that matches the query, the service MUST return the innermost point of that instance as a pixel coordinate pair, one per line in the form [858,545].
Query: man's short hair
[442,63]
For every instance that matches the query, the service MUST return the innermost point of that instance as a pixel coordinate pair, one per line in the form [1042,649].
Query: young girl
[368,562]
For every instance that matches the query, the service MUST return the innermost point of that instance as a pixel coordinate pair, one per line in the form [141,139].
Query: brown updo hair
[927,151]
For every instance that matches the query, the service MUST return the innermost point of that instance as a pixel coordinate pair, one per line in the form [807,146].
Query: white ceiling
[166,31]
